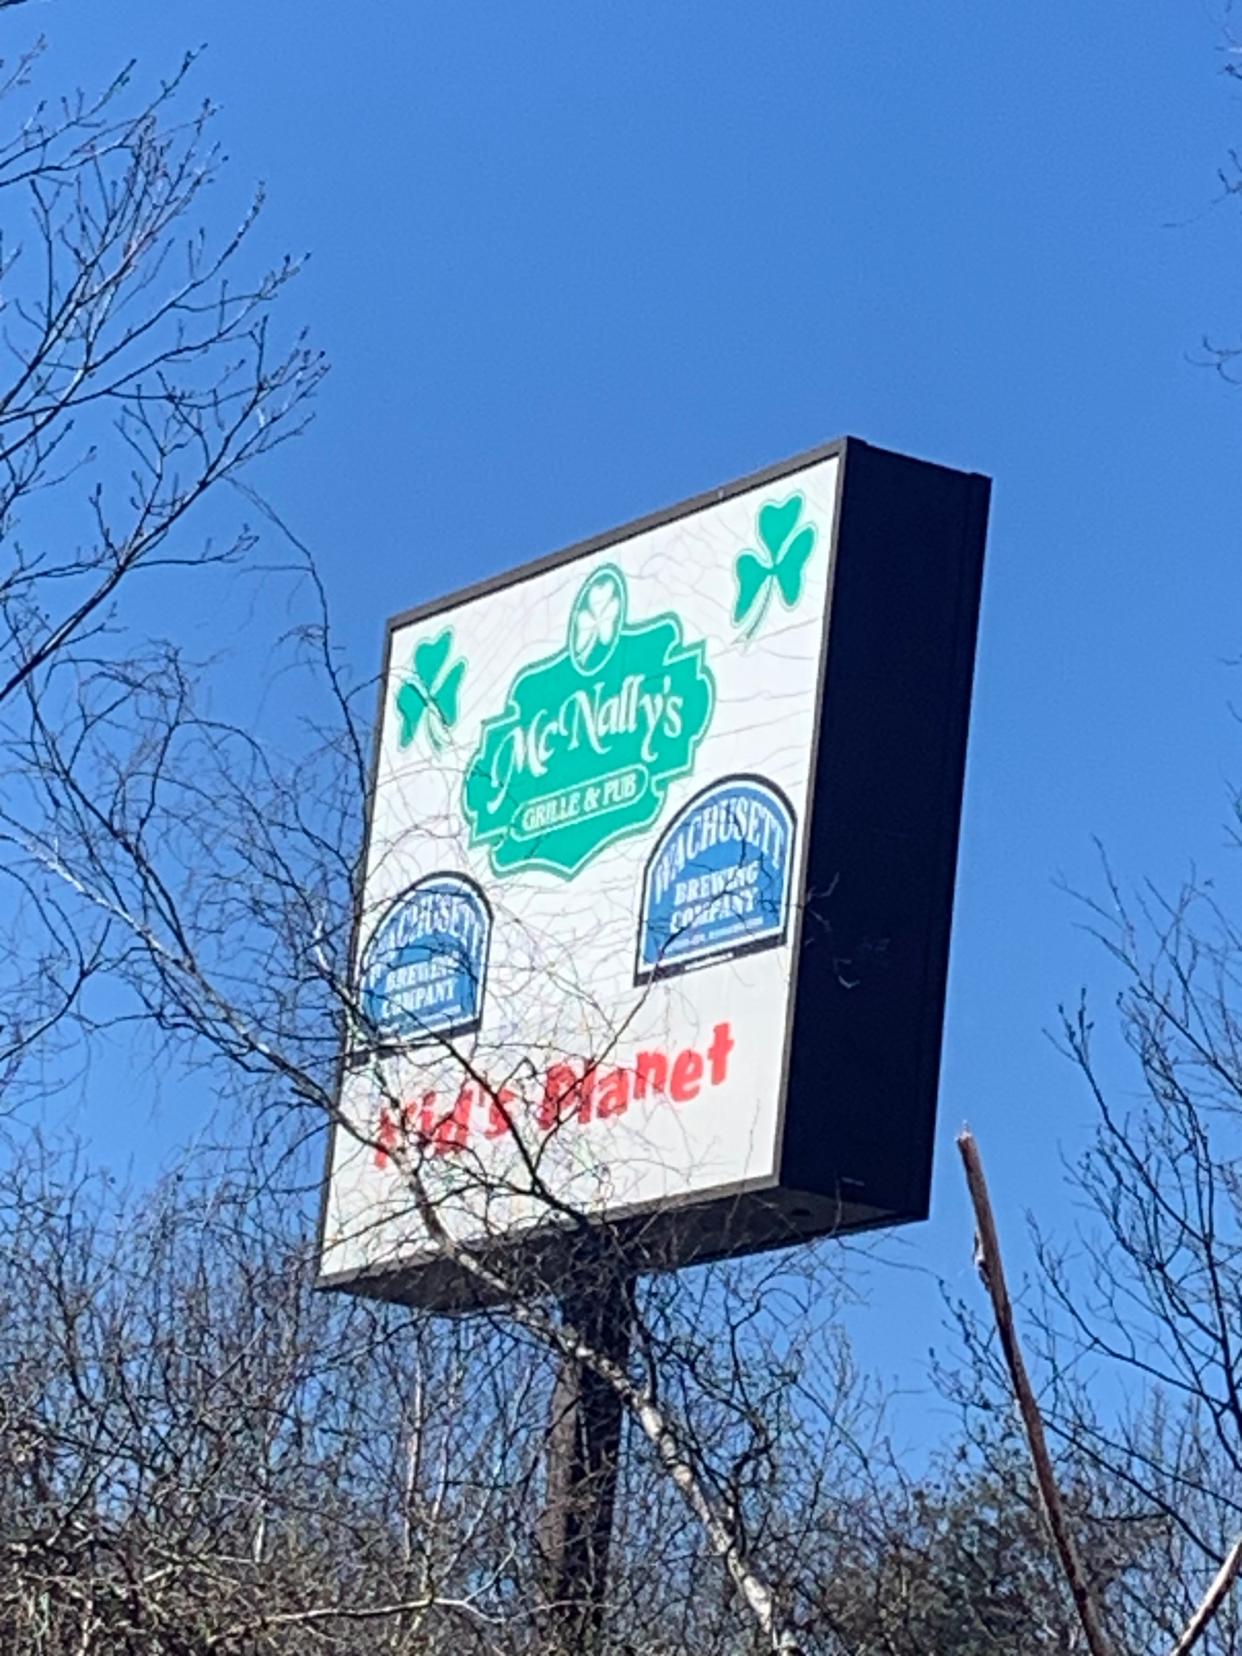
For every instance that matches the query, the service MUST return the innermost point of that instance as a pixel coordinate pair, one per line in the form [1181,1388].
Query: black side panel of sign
[883,832]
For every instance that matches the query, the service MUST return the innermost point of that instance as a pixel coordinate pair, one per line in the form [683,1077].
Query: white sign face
[583,882]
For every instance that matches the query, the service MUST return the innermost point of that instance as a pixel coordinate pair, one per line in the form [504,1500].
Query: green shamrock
[787,548]
[596,620]
[432,692]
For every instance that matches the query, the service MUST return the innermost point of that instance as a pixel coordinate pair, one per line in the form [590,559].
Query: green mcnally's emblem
[590,737]
[428,700]
[781,564]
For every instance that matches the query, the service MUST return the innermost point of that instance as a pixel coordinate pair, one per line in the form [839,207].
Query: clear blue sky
[572,262]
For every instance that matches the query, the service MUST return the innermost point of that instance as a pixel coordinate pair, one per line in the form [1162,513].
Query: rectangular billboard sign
[657,889]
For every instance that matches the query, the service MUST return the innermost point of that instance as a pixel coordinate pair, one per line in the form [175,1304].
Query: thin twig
[1212,1600]
[988,1257]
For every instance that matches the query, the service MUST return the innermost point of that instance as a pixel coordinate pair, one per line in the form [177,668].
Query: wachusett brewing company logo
[718,882]
[590,737]
[424,970]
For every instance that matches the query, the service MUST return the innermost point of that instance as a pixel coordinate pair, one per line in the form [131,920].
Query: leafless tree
[1134,1321]
[139,376]
[199,1453]
[1142,1333]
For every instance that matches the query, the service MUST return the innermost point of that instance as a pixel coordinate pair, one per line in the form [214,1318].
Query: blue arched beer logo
[425,968]
[718,882]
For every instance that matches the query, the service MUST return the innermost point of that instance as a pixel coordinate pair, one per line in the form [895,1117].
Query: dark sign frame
[873,889]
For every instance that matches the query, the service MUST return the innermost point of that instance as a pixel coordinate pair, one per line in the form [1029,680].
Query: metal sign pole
[583,1447]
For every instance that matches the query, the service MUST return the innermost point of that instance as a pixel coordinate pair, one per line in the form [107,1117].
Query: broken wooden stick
[988,1258]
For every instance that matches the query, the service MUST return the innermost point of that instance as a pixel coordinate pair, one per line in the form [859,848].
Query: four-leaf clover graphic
[780,566]
[595,623]
[429,698]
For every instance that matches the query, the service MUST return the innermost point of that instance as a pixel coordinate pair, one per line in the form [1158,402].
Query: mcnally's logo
[590,737]
[718,882]
[424,969]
